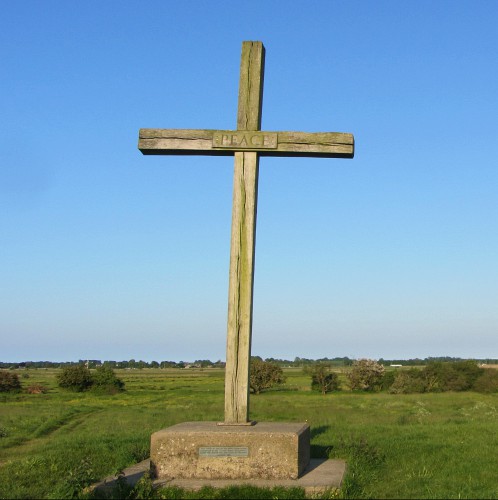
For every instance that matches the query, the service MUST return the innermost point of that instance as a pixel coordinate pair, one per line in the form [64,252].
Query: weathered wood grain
[252,67]
[241,274]
[200,142]
[240,288]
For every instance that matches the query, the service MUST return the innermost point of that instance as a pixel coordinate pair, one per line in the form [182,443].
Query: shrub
[105,380]
[36,389]
[439,376]
[9,382]
[264,375]
[470,370]
[388,379]
[456,376]
[487,382]
[322,378]
[75,378]
[409,381]
[366,375]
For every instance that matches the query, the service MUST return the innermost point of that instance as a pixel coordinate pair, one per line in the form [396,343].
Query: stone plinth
[206,450]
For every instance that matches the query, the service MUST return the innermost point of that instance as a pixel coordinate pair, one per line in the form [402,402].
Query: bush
[366,375]
[409,381]
[105,380]
[438,377]
[470,370]
[9,382]
[487,382]
[322,378]
[456,376]
[75,378]
[388,379]
[264,375]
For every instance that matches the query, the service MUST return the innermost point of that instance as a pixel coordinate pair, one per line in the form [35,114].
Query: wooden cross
[247,144]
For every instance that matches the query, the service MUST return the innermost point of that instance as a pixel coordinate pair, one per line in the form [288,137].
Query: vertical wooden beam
[241,276]
[240,288]
[252,67]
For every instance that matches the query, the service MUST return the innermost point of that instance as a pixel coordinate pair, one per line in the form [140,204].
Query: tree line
[297,362]
[363,375]
[127,364]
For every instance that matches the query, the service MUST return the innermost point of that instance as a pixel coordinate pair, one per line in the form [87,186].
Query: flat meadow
[431,445]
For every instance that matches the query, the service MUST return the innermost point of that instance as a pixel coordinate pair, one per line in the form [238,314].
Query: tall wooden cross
[247,144]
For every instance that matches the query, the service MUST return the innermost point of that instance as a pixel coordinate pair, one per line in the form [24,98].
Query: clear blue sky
[109,254]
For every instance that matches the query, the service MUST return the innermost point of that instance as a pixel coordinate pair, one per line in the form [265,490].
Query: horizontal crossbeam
[227,142]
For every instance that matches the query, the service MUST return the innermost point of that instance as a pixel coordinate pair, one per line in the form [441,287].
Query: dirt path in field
[45,433]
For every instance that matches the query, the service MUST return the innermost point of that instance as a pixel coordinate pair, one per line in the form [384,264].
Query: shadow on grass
[319,450]
[321,429]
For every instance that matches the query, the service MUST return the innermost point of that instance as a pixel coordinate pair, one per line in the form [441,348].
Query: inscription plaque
[250,141]
[223,451]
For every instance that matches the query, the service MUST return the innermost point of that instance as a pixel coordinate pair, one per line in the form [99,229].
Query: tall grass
[397,446]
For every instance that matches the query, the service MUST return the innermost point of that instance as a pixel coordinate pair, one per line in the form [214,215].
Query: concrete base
[205,450]
[320,476]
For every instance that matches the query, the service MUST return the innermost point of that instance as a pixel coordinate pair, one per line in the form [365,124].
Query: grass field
[397,446]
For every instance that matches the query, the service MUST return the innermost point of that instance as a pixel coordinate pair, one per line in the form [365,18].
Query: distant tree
[93,363]
[168,364]
[302,361]
[470,370]
[203,363]
[388,379]
[487,382]
[365,375]
[323,379]
[452,376]
[105,380]
[75,378]
[9,382]
[408,381]
[264,375]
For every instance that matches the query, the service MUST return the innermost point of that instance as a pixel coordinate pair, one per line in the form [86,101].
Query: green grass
[397,446]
